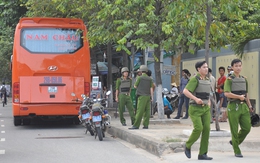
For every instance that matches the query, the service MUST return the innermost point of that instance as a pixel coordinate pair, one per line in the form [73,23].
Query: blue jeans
[183,99]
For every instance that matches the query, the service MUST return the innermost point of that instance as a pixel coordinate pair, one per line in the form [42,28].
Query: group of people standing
[196,93]
[235,88]
[144,91]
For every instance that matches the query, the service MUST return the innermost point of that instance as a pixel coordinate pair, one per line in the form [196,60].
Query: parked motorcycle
[100,117]
[85,113]
[172,98]
[93,115]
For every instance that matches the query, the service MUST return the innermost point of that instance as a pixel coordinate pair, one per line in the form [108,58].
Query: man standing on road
[236,90]
[123,89]
[144,89]
[183,98]
[198,90]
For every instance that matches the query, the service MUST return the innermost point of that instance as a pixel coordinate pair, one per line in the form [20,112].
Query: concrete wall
[250,66]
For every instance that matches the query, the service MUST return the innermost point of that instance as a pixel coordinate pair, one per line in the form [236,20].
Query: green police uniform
[199,114]
[124,99]
[143,84]
[238,111]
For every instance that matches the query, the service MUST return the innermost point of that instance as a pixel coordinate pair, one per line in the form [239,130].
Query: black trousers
[168,112]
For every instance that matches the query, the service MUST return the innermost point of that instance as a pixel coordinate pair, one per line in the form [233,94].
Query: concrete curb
[159,148]
[146,144]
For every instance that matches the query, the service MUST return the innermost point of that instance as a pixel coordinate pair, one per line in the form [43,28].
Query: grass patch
[172,140]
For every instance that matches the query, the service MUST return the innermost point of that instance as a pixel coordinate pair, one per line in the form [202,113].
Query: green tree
[9,17]
[245,33]
[159,24]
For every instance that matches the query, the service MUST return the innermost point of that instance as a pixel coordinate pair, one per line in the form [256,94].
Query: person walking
[198,90]
[239,106]
[123,90]
[144,90]
[183,98]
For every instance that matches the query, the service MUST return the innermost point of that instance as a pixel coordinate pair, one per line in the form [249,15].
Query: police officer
[123,89]
[236,90]
[144,85]
[198,90]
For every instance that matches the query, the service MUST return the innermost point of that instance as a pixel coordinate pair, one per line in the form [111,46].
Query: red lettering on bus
[55,37]
[28,37]
[36,37]
[61,37]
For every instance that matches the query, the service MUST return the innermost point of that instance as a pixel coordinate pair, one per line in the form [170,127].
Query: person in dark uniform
[144,91]
[123,90]
[198,90]
[236,90]
[183,98]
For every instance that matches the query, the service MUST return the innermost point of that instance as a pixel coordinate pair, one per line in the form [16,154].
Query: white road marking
[2,139]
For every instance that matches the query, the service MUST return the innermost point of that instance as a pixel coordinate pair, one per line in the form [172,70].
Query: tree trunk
[207,32]
[157,70]
[109,74]
[132,61]
[207,60]
[125,59]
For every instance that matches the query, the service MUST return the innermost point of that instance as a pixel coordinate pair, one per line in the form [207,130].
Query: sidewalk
[169,136]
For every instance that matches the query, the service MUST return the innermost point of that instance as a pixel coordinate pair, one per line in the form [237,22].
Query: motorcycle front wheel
[99,133]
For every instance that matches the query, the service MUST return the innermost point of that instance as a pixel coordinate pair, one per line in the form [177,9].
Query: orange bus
[51,59]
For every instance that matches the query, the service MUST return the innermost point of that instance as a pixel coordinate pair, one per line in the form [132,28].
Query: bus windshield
[51,40]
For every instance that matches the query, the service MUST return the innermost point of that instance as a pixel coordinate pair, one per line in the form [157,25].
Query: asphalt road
[54,142]
[45,142]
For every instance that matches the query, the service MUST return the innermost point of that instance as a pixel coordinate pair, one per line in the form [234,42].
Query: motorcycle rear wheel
[99,133]
[90,130]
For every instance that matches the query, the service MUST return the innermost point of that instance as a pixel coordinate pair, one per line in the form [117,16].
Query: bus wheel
[76,120]
[17,121]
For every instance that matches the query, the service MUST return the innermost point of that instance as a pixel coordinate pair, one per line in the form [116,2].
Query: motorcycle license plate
[52,89]
[85,116]
[96,118]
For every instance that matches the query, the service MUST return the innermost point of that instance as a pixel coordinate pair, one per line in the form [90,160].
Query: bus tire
[76,121]
[17,121]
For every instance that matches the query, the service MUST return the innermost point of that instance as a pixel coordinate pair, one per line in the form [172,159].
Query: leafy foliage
[244,33]
[10,15]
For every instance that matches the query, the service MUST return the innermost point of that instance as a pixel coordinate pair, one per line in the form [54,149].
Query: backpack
[3,89]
